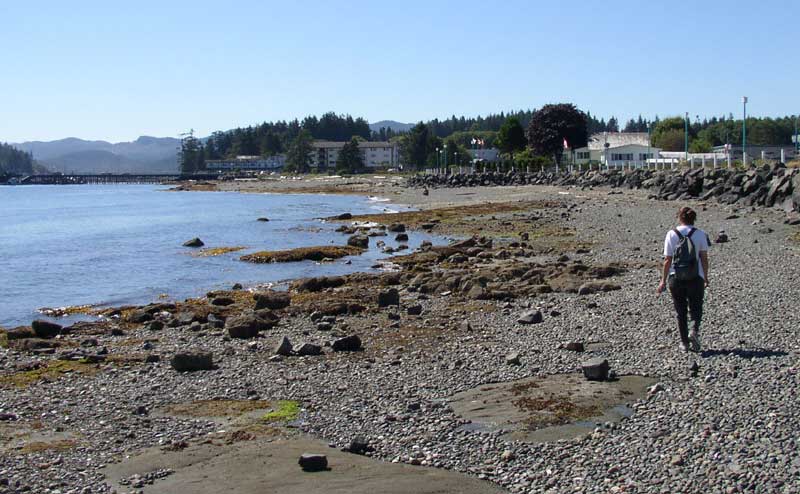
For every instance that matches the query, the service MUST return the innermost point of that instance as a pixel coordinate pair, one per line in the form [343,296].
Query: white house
[376,154]
[615,149]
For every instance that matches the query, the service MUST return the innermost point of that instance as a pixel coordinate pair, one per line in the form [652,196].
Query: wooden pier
[59,179]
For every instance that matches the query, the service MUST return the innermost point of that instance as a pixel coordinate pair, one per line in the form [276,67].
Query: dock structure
[107,178]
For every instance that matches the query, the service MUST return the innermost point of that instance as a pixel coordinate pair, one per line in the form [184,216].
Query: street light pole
[686,137]
[647,158]
[744,131]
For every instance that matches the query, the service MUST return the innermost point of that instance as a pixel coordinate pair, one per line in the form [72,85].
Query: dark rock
[152,358]
[401,237]
[237,286]
[574,346]
[513,358]
[414,310]
[247,325]
[263,219]
[45,329]
[345,216]
[350,343]
[533,317]
[313,462]
[360,241]
[222,301]
[722,238]
[596,369]
[308,349]
[192,360]
[388,297]
[195,242]
[140,316]
[154,326]
[284,347]
[359,446]
[397,228]
[272,300]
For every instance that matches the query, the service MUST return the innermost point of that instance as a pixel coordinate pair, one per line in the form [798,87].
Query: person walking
[685,271]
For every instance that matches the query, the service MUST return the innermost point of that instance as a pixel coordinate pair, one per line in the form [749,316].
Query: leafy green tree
[457,154]
[700,146]
[551,124]
[664,134]
[298,156]
[526,159]
[511,137]
[671,140]
[349,160]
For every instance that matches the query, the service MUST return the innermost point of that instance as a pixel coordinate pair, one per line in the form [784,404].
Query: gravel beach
[721,421]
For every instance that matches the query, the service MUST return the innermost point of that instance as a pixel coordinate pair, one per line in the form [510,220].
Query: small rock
[222,301]
[195,242]
[513,358]
[263,219]
[533,317]
[722,237]
[284,348]
[360,241]
[414,310]
[192,360]
[388,297]
[154,326]
[359,445]
[397,228]
[596,369]
[574,346]
[313,462]
[350,343]
[308,349]
[401,237]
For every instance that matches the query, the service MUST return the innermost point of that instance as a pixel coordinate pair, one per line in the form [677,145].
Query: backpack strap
[680,236]
[691,232]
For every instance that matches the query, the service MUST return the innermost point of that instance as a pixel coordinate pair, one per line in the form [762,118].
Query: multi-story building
[377,154]
[247,163]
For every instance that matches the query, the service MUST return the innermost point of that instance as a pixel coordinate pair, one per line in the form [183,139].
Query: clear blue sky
[116,70]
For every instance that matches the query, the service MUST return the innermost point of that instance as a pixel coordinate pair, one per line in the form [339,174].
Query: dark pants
[687,295]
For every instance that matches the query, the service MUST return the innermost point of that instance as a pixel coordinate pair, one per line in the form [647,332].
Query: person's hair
[687,216]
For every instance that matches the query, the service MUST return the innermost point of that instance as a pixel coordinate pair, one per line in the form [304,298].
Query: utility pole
[744,131]
[647,158]
[686,137]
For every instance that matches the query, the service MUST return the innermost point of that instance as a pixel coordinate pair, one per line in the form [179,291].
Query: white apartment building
[485,154]
[249,163]
[377,154]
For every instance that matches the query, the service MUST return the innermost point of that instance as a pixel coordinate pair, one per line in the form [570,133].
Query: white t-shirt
[699,239]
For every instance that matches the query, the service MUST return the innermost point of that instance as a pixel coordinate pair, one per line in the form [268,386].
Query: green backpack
[685,259]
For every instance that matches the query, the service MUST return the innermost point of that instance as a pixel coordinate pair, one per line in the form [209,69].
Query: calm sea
[121,244]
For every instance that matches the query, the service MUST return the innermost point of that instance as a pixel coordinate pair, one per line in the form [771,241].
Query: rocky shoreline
[769,186]
[536,288]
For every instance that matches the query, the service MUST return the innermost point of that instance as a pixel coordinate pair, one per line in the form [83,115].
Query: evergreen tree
[511,137]
[349,160]
[298,156]
[190,155]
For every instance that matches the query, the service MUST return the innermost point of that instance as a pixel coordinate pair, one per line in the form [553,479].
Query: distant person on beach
[685,271]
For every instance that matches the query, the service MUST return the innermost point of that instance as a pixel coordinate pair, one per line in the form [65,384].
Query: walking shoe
[683,347]
[694,341]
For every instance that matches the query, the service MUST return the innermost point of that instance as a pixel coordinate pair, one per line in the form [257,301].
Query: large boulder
[308,349]
[397,228]
[192,360]
[796,189]
[45,329]
[247,325]
[272,300]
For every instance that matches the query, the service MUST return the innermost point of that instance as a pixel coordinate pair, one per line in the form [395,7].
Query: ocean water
[107,245]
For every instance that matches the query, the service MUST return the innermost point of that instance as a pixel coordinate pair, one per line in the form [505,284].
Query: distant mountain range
[390,124]
[71,155]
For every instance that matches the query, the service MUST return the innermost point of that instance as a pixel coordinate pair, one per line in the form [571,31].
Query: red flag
[566,144]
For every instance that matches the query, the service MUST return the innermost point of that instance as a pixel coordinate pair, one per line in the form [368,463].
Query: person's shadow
[741,353]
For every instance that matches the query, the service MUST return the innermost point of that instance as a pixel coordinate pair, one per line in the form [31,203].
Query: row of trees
[670,134]
[15,162]
[547,130]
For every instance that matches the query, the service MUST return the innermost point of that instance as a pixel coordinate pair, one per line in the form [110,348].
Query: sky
[113,71]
